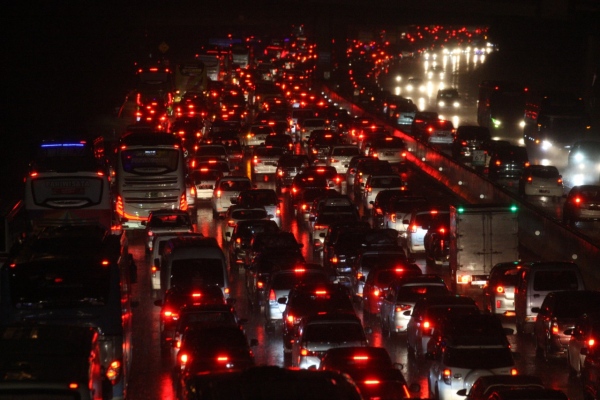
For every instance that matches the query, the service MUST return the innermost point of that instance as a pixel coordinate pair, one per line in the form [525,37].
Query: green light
[460,210]
[514,208]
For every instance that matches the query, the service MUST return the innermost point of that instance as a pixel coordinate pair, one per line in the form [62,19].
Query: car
[214,348]
[401,296]
[467,347]
[382,202]
[321,332]
[420,221]
[584,335]
[307,199]
[176,298]
[329,173]
[448,98]
[372,369]
[378,281]
[499,291]
[280,140]
[484,385]
[274,242]
[270,382]
[237,213]
[204,180]
[541,180]
[266,198]
[304,181]
[265,160]
[213,151]
[307,299]
[558,314]
[415,85]
[426,314]
[340,155]
[399,212]
[590,373]
[527,394]
[582,204]
[583,163]
[467,146]
[508,162]
[420,121]
[391,149]
[331,238]
[255,135]
[227,188]
[402,111]
[166,221]
[280,284]
[309,125]
[365,168]
[379,182]
[435,70]
[351,170]
[320,142]
[439,132]
[319,223]
[288,166]
[437,243]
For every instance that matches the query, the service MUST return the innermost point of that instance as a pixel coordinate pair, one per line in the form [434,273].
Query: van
[536,280]
[158,244]
[193,260]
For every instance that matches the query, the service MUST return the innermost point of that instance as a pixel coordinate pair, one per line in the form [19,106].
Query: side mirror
[399,366]
[569,331]
[228,234]
[144,223]
[535,309]
[312,218]
[233,200]
[362,279]
[243,321]
[282,300]
[406,221]
[584,351]
[158,303]
[462,392]
[406,313]
[253,342]
[509,331]
[322,235]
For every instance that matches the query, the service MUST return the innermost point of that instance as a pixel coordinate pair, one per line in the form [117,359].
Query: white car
[418,226]
[323,331]
[266,198]
[541,180]
[227,188]
[256,135]
[340,156]
[377,183]
[166,221]
[204,180]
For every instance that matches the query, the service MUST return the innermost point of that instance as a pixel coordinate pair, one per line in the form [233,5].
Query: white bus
[68,184]
[150,175]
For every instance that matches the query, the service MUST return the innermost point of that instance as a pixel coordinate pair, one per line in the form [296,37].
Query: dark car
[307,299]
[499,291]
[484,385]
[288,167]
[584,335]
[241,239]
[527,394]
[304,181]
[508,163]
[420,121]
[320,142]
[437,242]
[582,204]
[557,314]
[372,370]
[468,142]
[270,382]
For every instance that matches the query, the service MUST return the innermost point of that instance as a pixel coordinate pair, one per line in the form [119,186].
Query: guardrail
[538,232]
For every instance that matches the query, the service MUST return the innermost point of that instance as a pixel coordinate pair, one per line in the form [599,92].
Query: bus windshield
[150,161]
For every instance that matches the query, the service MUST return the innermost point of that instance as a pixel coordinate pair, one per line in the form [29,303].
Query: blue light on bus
[63,145]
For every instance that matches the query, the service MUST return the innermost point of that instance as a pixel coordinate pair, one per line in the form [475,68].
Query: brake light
[222,359]
[334,260]
[184,359]
[393,217]
[577,200]
[447,375]
[299,270]
[500,289]
[231,223]
[529,179]
[113,373]
[219,193]
[371,382]
[272,295]
[554,328]
[427,327]
[513,371]
[413,229]
[559,181]
[402,307]
[320,227]
[591,342]
[376,292]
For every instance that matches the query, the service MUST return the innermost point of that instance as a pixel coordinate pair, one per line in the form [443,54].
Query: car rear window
[197,272]
[546,173]
[478,358]
[546,281]
[334,332]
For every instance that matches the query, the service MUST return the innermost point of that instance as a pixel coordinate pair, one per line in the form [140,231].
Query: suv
[448,98]
[584,336]
[499,291]
[437,132]
[227,188]
[467,145]
[288,166]
[321,332]
[340,155]
[466,347]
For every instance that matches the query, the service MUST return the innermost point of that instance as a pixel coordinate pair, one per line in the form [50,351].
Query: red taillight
[591,342]
[184,358]
[447,375]
[413,229]
[500,289]
[113,372]
[272,295]
[529,179]
[371,382]
[376,292]
[222,359]
[513,371]
[260,285]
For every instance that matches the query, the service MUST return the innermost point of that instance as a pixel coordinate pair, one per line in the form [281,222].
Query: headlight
[579,157]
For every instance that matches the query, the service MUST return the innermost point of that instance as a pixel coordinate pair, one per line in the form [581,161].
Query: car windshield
[334,332]
[545,172]
[248,214]
[386,182]
[552,280]
[578,304]
[477,358]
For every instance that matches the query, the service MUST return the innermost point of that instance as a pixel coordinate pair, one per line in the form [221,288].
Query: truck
[481,236]
[501,105]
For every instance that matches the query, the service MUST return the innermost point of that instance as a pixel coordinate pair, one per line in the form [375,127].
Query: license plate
[544,191]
